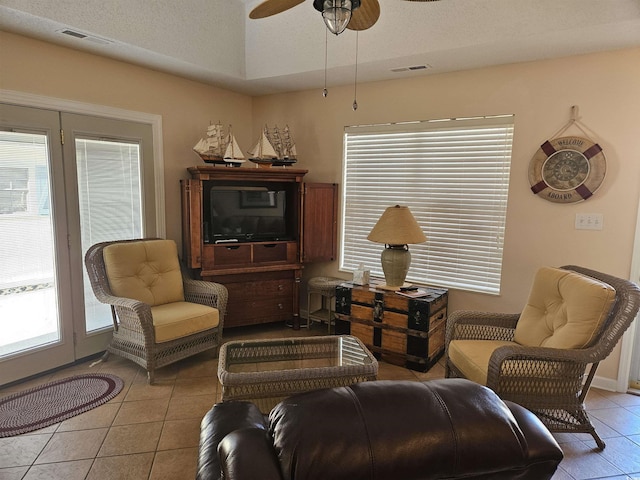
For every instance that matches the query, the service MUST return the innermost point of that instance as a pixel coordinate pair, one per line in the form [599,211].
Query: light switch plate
[589,221]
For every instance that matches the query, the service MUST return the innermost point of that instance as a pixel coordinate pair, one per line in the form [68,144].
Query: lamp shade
[397,226]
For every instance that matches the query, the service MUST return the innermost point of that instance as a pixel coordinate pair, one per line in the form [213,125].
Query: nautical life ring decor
[567,169]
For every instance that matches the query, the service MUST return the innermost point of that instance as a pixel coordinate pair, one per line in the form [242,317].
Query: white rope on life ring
[567,169]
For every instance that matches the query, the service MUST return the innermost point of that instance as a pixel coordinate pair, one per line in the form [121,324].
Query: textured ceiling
[214,40]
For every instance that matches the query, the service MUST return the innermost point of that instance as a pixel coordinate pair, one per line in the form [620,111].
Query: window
[453,175]
[13,189]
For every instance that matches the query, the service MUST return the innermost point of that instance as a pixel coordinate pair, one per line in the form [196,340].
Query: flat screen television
[244,214]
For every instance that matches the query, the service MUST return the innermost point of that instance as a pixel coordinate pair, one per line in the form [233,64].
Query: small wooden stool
[326,288]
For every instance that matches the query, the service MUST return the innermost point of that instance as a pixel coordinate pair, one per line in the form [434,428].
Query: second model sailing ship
[263,153]
[218,148]
[285,148]
[274,148]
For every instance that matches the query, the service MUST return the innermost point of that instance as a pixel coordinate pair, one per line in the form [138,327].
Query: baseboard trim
[603,383]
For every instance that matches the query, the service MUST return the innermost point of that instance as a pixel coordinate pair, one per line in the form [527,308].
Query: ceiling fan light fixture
[336,15]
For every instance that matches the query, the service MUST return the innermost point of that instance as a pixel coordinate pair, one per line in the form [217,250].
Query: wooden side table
[400,330]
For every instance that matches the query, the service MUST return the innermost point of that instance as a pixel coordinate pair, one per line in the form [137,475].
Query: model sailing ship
[263,152]
[233,153]
[218,148]
[285,148]
[274,148]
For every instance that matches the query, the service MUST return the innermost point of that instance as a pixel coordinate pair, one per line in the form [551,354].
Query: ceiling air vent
[85,36]
[71,33]
[414,67]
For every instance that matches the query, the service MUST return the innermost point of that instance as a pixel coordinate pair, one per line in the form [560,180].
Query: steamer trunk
[400,330]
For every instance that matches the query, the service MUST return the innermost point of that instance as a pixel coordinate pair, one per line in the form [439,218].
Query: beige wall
[605,87]
[186,107]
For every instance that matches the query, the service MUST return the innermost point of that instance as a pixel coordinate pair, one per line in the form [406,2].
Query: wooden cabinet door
[320,222]
[192,222]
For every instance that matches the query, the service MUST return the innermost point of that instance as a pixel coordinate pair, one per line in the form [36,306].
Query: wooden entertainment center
[262,274]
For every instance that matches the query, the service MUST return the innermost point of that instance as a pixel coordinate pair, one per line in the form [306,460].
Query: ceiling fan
[337,14]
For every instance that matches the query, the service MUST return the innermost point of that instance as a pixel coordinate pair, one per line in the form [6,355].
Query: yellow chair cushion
[565,310]
[180,319]
[147,271]
[471,357]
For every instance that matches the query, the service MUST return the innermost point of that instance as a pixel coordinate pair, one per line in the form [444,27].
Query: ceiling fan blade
[271,7]
[365,16]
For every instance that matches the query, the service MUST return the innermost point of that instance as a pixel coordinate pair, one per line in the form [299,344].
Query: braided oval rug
[54,402]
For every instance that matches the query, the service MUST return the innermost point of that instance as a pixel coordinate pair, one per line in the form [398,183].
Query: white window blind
[454,177]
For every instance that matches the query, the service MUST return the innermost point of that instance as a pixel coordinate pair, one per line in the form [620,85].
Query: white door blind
[110,203]
[454,177]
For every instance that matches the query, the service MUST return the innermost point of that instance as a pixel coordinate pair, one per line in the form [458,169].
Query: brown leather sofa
[382,430]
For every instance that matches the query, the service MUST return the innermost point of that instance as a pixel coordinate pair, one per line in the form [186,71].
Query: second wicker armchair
[546,357]
[159,315]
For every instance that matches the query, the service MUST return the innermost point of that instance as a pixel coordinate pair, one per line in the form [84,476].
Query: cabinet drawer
[241,255]
[263,307]
[247,315]
[270,307]
[259,302]
[226,255]
[273,296]
[253,290]
[269,252]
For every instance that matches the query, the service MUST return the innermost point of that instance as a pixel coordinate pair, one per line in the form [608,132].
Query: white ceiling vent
[408,69]
[84,36]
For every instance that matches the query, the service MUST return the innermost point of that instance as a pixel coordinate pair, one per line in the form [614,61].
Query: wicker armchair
[551,382]
[155,333]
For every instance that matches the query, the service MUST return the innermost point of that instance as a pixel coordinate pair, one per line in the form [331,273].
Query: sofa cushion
[449,428]
[565,310]
[147,271]
[472,357]
[180,319]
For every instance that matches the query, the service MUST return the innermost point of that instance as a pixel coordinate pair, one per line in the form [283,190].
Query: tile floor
[152,432]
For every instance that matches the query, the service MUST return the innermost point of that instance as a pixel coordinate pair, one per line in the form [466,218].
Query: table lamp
[396,228]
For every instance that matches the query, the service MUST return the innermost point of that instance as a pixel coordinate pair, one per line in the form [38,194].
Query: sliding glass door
[67,181]
[110,177]
[35,298]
